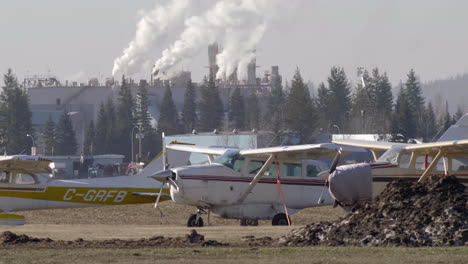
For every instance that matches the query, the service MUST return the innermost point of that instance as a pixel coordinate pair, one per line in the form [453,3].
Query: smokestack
[213,50]
[252,72]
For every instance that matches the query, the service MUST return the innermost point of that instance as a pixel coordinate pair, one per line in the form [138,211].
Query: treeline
[336,106]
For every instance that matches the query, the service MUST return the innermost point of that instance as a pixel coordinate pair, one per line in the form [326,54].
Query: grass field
[142,221]
[238,255]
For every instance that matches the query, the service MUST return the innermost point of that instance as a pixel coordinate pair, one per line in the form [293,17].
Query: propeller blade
[335,161]
[159,196]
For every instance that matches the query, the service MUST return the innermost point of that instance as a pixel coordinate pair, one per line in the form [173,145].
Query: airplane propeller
[335,161]
[166,176]
[325,174]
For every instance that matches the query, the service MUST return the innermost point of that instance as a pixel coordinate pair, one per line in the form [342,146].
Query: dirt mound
[9,239]
[258,241]
[404,214]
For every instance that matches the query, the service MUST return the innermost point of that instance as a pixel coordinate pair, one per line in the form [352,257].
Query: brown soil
[405,214]
[12,240]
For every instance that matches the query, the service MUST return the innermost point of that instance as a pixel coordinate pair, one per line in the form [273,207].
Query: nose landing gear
[195,220]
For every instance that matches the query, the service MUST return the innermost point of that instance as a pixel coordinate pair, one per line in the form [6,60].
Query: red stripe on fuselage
[285,181]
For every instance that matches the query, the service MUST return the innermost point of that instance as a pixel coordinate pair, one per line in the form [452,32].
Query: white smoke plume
[238,25]
[152,29]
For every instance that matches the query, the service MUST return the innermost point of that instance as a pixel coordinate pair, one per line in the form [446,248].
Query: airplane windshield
[391,155]
[231,159]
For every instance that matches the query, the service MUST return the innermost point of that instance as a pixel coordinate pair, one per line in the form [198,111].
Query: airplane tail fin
[457,131]
[172,158]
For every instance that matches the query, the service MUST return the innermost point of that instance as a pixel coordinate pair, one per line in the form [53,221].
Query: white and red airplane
[351,185]
[252,185]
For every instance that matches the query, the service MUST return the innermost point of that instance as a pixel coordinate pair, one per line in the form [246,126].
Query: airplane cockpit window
[459,164]
[391,155]
[4,177]
[16,178]
[231,159]
[255,166]
[271,172]
[312,171]
[292,169]
[21,178]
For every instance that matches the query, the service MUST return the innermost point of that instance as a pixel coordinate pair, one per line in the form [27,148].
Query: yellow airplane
[23,187]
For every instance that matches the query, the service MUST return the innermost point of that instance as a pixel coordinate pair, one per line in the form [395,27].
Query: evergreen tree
[252,112]
[275,108]
[189,113]
[457,115]
[430,124]
[210,107]
[150,141]
[124,120]
[15,117]
[168,121]
[101,131]
[49,137]
[89,144]
[65,136]
[447,121]
[236,110]
[383,102]
[402,122]
[363,104]
[323,106]
[340,97]
[299,108]
[105,129]
[416,101]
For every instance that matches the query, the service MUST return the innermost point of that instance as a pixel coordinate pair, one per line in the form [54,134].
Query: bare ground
[136,222]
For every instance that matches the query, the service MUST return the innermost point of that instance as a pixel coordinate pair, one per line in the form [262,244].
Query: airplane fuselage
[219,188]
[77,193]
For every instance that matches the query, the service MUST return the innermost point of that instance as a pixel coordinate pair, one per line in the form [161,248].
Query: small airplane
[351,185]
[23,186]
[251,185]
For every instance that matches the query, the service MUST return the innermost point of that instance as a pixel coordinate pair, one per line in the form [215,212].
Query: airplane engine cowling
[351,185]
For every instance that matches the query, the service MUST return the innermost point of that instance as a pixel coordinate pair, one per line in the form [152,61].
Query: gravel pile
[434,213]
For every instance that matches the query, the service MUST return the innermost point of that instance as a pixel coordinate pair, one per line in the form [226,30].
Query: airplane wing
[309,151]
[197,149]
[373,145]
[24,163]
[448,147]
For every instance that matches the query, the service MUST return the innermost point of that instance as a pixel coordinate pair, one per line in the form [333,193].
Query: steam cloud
[152,29]
[237,25]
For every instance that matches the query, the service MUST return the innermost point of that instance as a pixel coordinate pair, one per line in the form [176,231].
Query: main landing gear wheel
[194,222]
[248,222]
[280,220]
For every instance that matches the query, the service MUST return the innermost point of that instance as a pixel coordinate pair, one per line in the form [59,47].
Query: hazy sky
[81,39]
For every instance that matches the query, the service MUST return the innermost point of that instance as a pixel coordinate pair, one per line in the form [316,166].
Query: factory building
[49,97]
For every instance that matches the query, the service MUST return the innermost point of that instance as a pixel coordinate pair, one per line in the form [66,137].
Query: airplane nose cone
[162,176]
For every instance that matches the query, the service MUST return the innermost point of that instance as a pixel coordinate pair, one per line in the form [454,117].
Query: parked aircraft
[413,162]
[23,186]
[266,183]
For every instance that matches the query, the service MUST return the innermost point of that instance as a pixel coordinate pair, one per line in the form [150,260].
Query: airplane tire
[192,221]
[248,222]
[280,220]
[243,222]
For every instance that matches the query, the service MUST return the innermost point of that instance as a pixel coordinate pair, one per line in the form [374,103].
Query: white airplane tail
[457,131]
[174,159]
